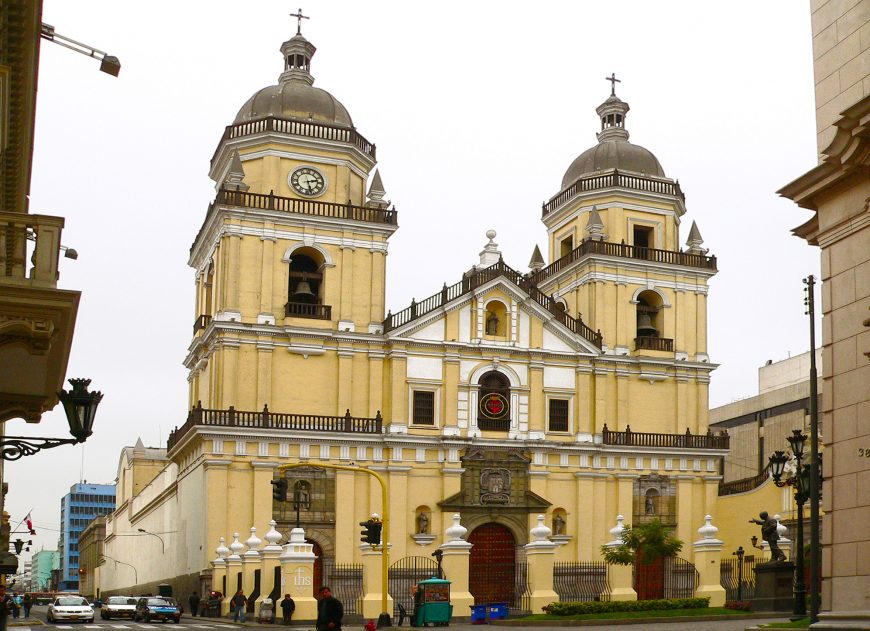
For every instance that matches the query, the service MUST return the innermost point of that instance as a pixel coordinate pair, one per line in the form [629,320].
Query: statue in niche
[491,323]
[422,523]
[770,535]
[558,524]
[650,505]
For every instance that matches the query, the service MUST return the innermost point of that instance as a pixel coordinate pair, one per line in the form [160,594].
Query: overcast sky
[477,109]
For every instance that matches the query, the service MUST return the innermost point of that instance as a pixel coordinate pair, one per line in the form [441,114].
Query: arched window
[494,407]
[649,319]
[305,285]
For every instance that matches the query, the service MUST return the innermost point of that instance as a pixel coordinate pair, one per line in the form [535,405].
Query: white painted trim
[423,386]
[637,292]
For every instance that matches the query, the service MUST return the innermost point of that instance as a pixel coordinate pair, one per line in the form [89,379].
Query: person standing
[16,605]
[329,611]
[288,606]
[238,603]
[5,607]
[27,603]
[194,603]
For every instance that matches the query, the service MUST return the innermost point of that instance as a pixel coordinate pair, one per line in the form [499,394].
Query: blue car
[160,608]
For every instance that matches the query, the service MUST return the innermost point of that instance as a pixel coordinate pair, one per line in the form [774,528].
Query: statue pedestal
[774,587]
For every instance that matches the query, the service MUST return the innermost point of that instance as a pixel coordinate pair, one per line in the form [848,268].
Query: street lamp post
[80,407]
[815,480]
[800,480]
[154,534]
[739,554]
[135,573]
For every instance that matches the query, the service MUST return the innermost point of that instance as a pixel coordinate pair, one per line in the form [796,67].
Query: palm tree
[644,544]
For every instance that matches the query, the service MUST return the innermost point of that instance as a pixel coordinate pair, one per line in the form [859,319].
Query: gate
[405,574]
[576,582]
[492,565]
[738,581]
[520,602]
[668,577]
[345,581]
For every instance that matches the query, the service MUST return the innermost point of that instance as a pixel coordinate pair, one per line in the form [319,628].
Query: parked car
[157,608]
[118,607]
[70,608]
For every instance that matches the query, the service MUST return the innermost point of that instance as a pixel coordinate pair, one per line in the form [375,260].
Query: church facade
[574,389]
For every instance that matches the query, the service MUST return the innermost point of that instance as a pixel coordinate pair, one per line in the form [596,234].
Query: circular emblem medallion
[493,405]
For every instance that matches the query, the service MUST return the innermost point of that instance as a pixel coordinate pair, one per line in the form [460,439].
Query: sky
[477,109]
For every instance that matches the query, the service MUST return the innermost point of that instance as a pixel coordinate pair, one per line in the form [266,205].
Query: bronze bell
[645,327]
[303,293]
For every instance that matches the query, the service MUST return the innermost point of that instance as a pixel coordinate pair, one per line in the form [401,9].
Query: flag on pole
[29,524]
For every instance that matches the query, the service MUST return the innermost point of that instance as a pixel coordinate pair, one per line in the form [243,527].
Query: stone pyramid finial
[595,226]
[694,242]
[537,261]
[376,192]
[490,254]
[236,175]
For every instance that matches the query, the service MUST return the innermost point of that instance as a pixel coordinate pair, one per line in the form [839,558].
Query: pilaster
[297,575]
[708,555]
[541,555]
[619,576]
[372,595]
[456,554]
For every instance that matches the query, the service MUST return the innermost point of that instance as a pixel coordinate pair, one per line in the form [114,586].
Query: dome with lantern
[294,96]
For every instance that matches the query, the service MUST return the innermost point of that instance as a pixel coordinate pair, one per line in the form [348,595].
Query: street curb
[625,621]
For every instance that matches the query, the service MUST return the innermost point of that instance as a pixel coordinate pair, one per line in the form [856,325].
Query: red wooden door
[492,564]
[649,579]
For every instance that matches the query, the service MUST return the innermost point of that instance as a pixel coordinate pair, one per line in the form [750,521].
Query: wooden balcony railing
[744,485]
[623,250]
[613,179]
[200,323]
[306,207]
[477,278]
[305,310]
[629,438]
[654,344]
[38,268]
[265,419]
[321,131]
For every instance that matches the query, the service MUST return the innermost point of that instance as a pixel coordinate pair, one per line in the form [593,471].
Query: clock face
[307,181]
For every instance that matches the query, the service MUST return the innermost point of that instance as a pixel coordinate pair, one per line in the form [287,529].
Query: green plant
[644,543]
[579,608]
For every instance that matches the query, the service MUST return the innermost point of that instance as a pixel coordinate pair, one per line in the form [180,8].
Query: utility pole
[815,473]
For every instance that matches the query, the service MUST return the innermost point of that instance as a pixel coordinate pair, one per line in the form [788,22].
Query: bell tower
[292,250]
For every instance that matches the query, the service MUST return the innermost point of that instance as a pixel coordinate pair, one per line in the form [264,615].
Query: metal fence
[738,578]
[521,603]
[404,574]
[345,581]
[575,582]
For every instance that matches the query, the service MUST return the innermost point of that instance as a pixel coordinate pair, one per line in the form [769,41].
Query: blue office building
[77,508]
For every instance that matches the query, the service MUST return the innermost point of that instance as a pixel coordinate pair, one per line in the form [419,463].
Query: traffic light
[19,546]
[279,489]
[372,532]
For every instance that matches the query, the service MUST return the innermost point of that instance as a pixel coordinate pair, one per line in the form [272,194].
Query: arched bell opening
[649,319]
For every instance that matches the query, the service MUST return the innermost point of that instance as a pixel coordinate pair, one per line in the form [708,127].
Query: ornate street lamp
[739,554]
[800,480]
[80,407]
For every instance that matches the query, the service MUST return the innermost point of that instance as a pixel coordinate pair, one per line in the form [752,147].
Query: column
[345,381]
[264,374]
[399,402]
[297,575]
[233,273]
[270,558]
[583,412]
[456,553]
[540,555]
[619,576]
[250,564]
[377,286]
[345,308]
[600,404]
[450,395]
[685,505]
[708,553]
[267,273]
[537,400]
[376,382]
[372,596]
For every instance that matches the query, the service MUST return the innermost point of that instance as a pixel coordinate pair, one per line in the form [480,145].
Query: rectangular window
[424,408]
[643,237]
[558,415]
[566,246]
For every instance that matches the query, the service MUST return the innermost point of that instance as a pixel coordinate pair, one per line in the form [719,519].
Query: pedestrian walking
[5,607]
[238,604]
[16,605]
[329,611]
[288,606]
[194,603]
[27,603]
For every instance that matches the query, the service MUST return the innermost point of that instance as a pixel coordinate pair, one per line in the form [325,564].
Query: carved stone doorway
[492,565]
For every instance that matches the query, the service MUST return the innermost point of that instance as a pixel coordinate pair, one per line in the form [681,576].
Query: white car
[70,608]
[118,607]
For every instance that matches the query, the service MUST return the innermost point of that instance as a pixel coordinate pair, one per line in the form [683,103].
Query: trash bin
[497,611]
[478,614]
[433,603]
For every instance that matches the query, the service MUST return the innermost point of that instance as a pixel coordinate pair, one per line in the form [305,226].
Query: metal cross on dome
[612,78]
[299,17]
